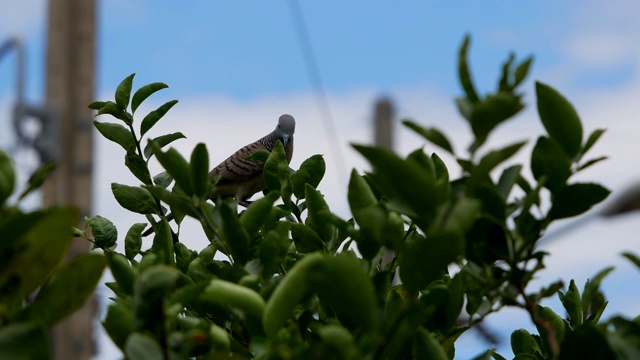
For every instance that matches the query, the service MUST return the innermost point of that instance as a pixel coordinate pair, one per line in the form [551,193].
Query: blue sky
[237,65]
[248,49]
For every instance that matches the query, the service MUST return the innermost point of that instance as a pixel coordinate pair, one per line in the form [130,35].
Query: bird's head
[286,127]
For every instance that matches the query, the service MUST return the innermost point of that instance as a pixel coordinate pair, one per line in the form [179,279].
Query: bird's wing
[236,168]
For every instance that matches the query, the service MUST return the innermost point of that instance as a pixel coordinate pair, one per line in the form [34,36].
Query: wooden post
[383,137]
[69,89]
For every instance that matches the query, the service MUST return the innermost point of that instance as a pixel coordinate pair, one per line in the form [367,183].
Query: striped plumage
[242,178]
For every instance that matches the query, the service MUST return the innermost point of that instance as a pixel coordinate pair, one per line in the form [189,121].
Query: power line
[316,82]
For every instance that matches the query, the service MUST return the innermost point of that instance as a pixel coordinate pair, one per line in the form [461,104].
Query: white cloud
[601,49]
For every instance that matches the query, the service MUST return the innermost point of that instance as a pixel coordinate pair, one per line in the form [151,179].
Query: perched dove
[241,178]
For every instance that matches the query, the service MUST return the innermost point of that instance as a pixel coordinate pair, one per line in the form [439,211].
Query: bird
[241,178]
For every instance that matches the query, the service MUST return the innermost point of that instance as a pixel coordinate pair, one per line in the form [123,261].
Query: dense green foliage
[290,284]
[37,289]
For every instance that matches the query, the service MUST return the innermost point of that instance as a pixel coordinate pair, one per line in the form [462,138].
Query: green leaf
[153,117]
[27,340]
[426,347]
[370,217]
[36,179]
[505,80]
[625,339]
[105,234]
[234,236]
[162,141]
[339,340]
[273,166]
[572,303]
[116,111]
[522,342]
[479,174]
[142,347]
[559,118]
[163,243]
[227,293]
[116,133]
[442,173]
[177,202]
[316,205]
[586,342]
[184,256]
[448,343]
[26,234]
[144,92]
[431,134]
[79,276]
[463,72]
[593,302]
[633,258]
[522,70]
[360,195]
[175,165]
[133,240]
[260,155]
[549,161]
[306,239]
[134,198]
[154,283]
[508,178]
[591,162]
[311,172]
[555,321]
[496,157]
[138,167]
[342,284]
[123,92]
[7,177]
[293,288]
[200,171]
[257,213]
[593,138]
[425,259]
[118,323]
[575,199]
[493,110]
[462,214]
[121,270]
[406,183]
[97,105]
[274,248]
[163,179]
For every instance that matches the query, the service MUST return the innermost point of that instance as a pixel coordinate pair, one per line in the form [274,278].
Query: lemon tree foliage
[38,288]
[292,285]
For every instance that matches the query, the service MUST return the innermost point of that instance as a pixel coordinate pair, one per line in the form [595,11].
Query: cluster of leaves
[37,289]
[290,284]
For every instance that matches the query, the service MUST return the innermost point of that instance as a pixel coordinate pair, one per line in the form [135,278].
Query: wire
[316,82]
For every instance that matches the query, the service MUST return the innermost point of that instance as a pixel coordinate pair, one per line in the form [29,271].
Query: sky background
[236,66]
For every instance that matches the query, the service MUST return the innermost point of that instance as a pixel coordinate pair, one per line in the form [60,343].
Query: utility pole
[69,89]
[383,123]
[383,137]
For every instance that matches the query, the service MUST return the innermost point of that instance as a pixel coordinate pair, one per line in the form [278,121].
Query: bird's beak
[285,139]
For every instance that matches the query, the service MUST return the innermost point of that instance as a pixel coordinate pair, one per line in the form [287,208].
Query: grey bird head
[286,127]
